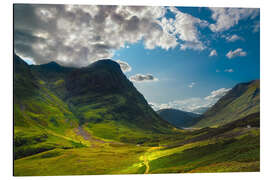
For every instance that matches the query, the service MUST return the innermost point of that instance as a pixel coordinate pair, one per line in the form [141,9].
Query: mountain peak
[101,76]
[106,64]
[51,64]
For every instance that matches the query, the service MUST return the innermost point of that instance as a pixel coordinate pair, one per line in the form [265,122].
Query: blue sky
[177,57]
[187,74]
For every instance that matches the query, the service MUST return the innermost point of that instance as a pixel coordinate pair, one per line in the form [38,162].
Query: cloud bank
[194,104]
[77,35]
[228,17]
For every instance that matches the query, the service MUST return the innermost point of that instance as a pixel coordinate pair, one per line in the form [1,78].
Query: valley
[92,120]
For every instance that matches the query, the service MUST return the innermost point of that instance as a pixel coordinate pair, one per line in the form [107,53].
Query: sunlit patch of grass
[109,160]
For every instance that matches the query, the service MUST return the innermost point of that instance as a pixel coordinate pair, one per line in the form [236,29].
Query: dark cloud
[76,35]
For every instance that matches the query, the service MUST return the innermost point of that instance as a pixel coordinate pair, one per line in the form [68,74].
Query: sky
[177,57]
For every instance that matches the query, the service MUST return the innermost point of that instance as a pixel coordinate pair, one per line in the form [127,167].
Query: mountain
[62,107]
[41,119]
[178,118]
[240,101]
[200,110]
[50,71]
[24,81]
[104,99]
[92,120]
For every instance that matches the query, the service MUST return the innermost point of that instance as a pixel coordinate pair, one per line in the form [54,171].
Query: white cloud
[185,27]
[233,38]
[228,70]
[238,52]
[125,67]
[217,94]
[256,27]
[228,17]
[213,53]
[76,35]
[192,45]
[143,78]
[191,85]
[192,104]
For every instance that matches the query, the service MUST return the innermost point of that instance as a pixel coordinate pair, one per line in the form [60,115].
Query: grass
[112,160]
[61,133]
[223,154]
[232,108]
[201,155]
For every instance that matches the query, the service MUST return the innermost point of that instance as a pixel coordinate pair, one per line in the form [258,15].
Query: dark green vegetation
[178,118]
[240,101]
[92,120]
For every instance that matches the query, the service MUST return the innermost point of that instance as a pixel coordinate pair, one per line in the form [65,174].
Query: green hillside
[231,148]
[92,120]
[240,101]
[49,113]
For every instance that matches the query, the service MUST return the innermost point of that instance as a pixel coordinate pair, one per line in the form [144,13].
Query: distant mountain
[178,118]
[240,101]
[200,110]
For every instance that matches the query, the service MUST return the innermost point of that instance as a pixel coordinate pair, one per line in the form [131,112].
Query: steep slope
[178,118]
[108,104]
[41,119]
[99,99]
[240,101]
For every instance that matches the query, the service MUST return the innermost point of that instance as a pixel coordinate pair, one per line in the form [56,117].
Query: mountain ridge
[242,100]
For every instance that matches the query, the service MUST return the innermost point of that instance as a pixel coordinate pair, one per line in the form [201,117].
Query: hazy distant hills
[178,118]
[200,110]
[240,101]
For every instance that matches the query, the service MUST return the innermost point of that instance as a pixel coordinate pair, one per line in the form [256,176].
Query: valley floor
[237,150]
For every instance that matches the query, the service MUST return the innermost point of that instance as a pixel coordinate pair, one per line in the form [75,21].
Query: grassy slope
[42,122]
[47,141]
[232,106]
[235,147]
